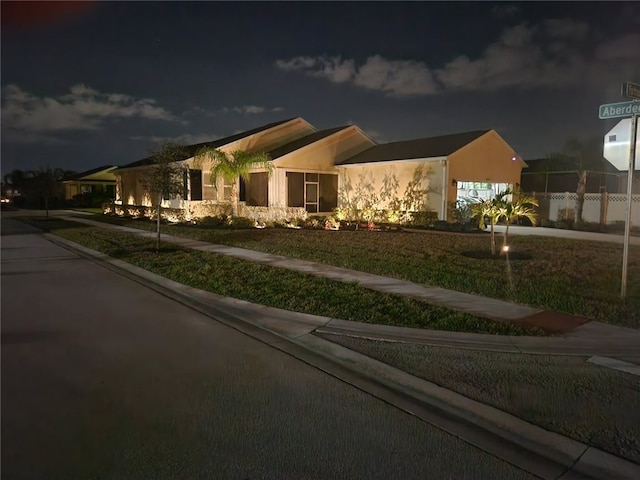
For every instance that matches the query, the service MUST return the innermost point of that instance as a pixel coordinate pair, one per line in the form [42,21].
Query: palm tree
[488,208]
[510,210]
[582,158]
[231,167]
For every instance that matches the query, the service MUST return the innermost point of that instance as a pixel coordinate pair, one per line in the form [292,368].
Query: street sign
[621,109]
[617,145]
[631,90]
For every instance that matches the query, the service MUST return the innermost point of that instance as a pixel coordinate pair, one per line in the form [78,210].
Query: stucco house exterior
[100,178]
[431,173]
[314,171]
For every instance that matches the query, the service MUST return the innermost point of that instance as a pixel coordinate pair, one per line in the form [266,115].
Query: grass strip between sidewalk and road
[272,286]
[564,394]
[576,277]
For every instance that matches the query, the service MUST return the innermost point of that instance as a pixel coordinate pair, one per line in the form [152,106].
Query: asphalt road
[103,378]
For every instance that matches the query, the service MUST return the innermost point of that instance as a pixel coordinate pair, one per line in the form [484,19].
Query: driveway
[571,234]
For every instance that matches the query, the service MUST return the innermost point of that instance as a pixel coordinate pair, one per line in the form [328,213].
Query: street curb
[546,454]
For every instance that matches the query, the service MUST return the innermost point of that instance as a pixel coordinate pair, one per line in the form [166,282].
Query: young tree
[489,208]
[233,166]
[522,206]
[165,178]
[582,158]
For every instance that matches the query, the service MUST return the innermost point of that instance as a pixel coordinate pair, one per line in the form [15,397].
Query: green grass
[272,286]
[96,211]
[570,276]
[564,394]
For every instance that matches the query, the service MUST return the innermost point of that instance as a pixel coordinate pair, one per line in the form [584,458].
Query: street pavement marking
[616,365]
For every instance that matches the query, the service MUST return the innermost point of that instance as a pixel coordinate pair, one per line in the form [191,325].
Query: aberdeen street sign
[621,109]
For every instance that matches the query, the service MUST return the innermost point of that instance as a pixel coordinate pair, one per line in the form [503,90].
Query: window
[226,189]
[195,184]
[612,138]
[315,192]
[256,190]
[85,188]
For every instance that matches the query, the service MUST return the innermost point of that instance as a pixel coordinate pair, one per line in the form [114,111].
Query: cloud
[553,53]
[83,108]
[505,11]
[250,109]
[184,139]
[395,77]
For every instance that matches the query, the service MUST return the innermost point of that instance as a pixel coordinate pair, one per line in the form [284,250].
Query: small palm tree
[521,207]
[489,208]
[233,166]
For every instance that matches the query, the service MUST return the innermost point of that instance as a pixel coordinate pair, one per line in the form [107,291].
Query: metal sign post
[626,109]
[627,228]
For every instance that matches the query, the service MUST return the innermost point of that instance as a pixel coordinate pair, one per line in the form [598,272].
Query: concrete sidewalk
[583,338]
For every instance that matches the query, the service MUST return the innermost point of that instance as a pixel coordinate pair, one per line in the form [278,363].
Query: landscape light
[505,248]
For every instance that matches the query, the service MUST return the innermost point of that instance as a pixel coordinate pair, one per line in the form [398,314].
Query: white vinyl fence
[598,207]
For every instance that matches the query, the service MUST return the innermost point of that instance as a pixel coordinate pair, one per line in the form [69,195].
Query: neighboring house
[317,171]
[101,179]
[430,173]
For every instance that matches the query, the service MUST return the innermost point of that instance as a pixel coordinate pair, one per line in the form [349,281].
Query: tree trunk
[158,225]
[46,206]
[582,188]
[234,199]
[493,239]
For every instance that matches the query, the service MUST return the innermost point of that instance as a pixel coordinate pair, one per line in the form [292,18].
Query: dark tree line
[40,188]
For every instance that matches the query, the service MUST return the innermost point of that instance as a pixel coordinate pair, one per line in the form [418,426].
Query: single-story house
[315,171]
[98,179]
[431,173]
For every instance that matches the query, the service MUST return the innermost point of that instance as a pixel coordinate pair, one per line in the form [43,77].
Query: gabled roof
[192,149]
[440,146]
[303,142]
[81,175]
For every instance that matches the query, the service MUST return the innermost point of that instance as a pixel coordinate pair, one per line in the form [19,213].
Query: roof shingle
[440,146]
[192,149]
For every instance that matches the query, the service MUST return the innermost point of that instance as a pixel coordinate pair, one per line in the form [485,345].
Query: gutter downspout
[445,184]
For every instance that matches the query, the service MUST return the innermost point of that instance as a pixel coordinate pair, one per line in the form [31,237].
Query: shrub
[242,222]
[314,222]
[213,221]
[547,223]
[424,218]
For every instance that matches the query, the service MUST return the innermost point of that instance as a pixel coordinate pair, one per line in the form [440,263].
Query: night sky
[88,84]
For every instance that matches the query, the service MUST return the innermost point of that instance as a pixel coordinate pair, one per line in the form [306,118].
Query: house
[97,180]
[431,173]
[314,171]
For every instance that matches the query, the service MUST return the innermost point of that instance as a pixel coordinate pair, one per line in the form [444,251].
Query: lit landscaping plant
[511,210]
[489,208]
[231,167]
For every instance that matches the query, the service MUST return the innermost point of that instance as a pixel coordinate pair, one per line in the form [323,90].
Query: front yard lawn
[570,276]
[272,286]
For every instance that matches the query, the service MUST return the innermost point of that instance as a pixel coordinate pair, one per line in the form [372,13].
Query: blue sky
[106,82]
